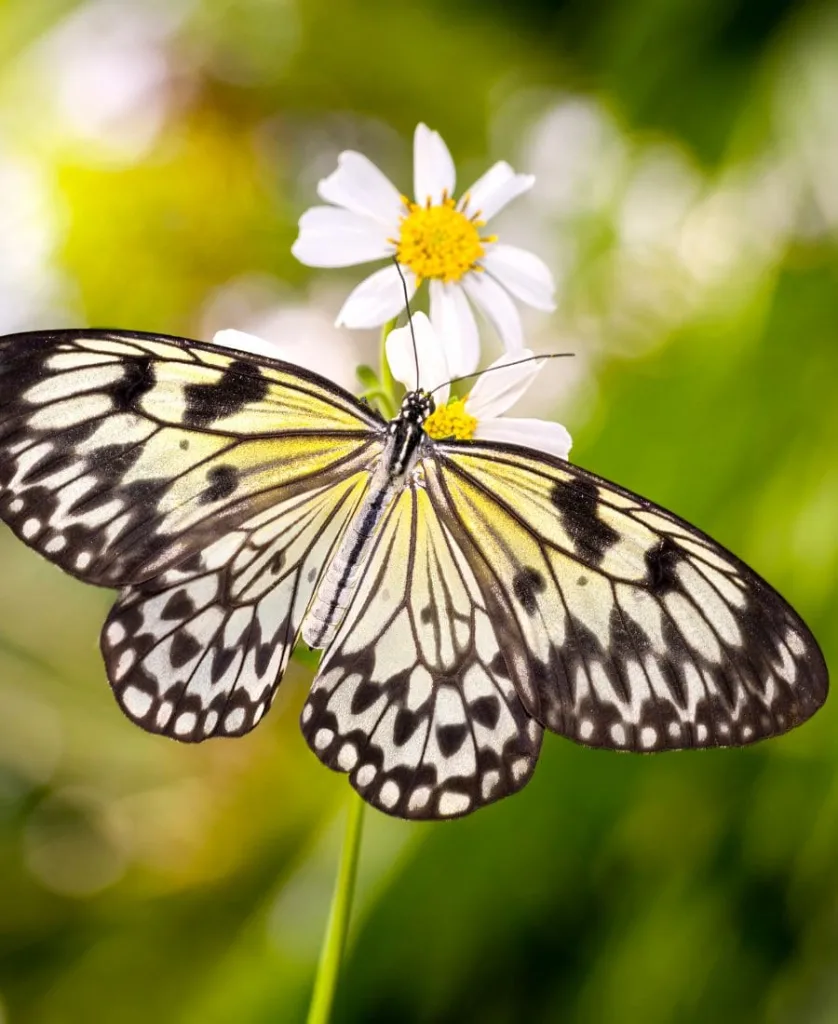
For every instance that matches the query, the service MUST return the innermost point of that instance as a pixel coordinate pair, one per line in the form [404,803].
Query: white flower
[435,238]
[480,414]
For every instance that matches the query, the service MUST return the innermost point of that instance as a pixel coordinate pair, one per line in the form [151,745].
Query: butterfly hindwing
[122,453]
[414,697]
[199,650]
[639,631]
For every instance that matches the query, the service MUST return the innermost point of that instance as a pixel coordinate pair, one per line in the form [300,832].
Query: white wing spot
[322,738]
[488,783]
[185,723]
[701,731]
[83,559]
[115,633]
[389,794]
[366,773]
[747,732]
[126,660]
[618,733]
[586,728]
[419,798]
[648,736]
[136,701]
[519,768]
[164,713]
[674,730]
[16,505]
[453,803]
[348,757]
[235,720]
[210,722]
[308,711]
[796,645]
[55,544]
[30,528]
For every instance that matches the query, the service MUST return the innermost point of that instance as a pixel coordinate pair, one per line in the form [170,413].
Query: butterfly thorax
[405,437]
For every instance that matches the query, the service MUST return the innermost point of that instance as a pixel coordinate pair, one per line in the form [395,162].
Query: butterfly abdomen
[332,597]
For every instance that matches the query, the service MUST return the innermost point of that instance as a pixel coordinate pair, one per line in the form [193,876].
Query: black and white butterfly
[467,595]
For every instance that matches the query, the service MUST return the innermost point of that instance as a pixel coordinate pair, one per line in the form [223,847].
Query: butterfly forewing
[639,631]
[414,697]
[122,453]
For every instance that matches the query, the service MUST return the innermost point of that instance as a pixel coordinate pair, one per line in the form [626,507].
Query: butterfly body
[467,594]
[405,437]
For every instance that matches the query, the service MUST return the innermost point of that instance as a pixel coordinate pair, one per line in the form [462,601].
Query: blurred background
[154,160]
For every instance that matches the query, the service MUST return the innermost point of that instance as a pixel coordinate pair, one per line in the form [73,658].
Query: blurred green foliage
[153,163]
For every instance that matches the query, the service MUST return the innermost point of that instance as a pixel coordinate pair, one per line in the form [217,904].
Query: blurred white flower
[480,414]
[435,238]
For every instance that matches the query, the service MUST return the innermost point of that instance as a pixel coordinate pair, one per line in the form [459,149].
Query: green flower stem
[388,381]
[334,941]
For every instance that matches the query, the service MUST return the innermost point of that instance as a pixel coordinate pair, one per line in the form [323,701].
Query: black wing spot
[180,606]
[450,738]
[240,384]
[661,567]
[184,648]
[499,667]
[276,563]
[184,445]
[138,380]
[222,481]
[528,583]
[486,711]
[405,726]
[312,575]
[582,581]
[426,614]
[577,502]
[222,659]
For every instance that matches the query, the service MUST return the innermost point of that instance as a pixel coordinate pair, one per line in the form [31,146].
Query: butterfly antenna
[409,320]
[504,366]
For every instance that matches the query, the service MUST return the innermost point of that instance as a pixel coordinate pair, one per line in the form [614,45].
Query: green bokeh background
[687,199]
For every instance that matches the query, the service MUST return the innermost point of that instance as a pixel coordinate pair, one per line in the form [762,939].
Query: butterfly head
[417,406]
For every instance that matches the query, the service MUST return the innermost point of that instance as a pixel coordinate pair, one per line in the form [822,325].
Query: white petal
[454,322]
[540,435]
[377,299]
[359,186]
[244,342]
[523,273]
[496,304]
[498,187]
[500,386]
[330,237]
[433,167]
[430,352]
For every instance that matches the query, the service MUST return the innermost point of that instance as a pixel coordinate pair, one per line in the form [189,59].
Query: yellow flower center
[451,420]
[439,241]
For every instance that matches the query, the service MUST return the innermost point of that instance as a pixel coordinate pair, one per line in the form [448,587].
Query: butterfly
[466,595]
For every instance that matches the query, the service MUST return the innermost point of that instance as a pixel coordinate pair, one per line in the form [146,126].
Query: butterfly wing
[211,486]
[634,630]
[200,649]
[414,697]
[122,453]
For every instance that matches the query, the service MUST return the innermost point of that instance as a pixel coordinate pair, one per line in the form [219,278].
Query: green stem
[388,381]
[334,942]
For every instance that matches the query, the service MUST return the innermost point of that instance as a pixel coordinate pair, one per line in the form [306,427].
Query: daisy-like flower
[436,238]
[480,414]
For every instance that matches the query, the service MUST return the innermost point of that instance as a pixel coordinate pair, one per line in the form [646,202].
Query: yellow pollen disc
[451,420]
[439,241]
